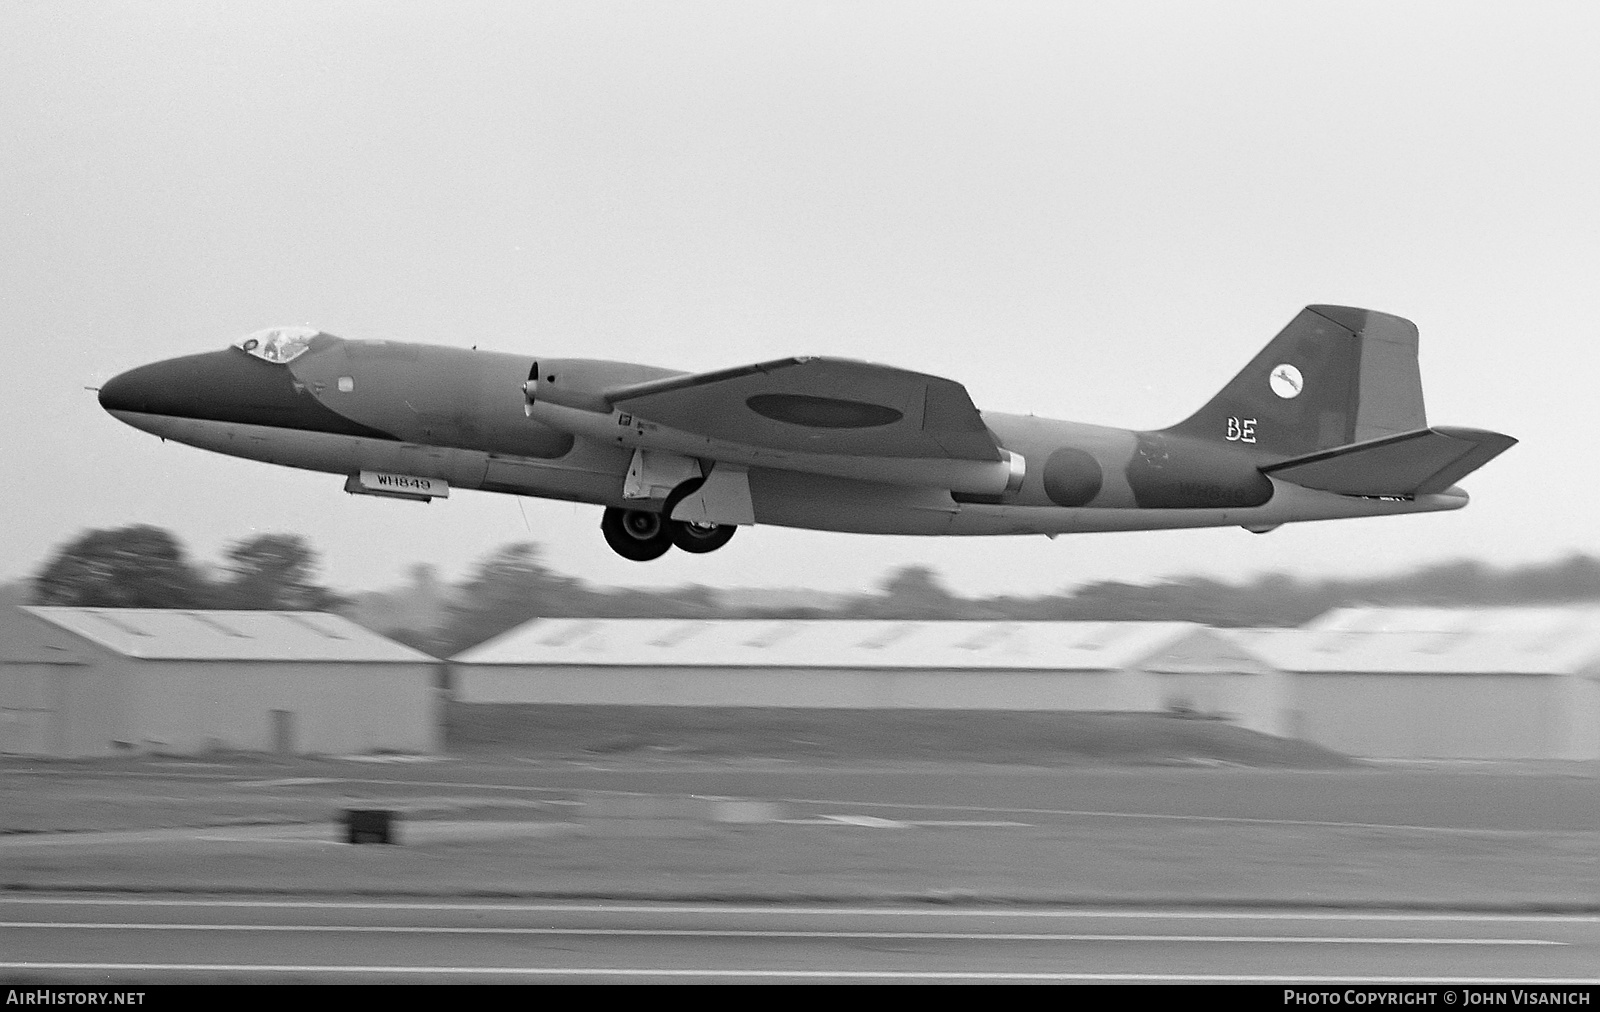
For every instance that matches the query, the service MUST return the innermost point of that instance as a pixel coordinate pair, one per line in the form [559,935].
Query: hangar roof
[170,634]
[26,640]
[1533,641]
[796,643]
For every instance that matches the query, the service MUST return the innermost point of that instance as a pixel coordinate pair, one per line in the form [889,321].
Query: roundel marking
[1286,381]
[822,412]
[1072,477]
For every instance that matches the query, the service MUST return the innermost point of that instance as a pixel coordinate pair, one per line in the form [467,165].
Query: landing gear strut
[641,535]
[696,539]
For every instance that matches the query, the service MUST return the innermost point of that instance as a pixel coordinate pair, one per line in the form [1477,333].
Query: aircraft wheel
[636,534]
[695,538]
[678,495]
[700,538]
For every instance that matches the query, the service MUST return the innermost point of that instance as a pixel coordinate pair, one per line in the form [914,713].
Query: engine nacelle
[570,395]
[581,382]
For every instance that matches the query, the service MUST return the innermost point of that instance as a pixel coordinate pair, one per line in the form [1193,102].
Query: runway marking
[1075,812]
[237,780]
[869,821]
[1239,819]
[1082,813]
[382,781]
[268,840]
[628,971]
[964,936]
[873,822]
[844,911]
[288,782]
[288,833]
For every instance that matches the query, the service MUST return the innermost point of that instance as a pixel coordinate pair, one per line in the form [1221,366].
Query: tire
[636,535]
[698,539]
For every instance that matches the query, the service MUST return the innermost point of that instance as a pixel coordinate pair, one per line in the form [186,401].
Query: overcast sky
[1096,211]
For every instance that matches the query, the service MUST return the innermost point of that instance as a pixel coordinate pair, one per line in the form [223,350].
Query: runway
[916,873]
[171,939]
[1389,798]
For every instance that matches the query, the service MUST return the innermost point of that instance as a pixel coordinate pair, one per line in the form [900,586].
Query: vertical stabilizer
[1334,376]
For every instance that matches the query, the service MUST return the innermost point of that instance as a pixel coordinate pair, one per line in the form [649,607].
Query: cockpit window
[278,344]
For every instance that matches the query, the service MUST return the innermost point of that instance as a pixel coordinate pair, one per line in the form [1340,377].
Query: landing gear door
[653,474]
[723,499]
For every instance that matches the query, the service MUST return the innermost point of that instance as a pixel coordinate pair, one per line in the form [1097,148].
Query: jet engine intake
[566,384]
[581,383]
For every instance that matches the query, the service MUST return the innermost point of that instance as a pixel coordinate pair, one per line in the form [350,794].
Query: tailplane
[1334,376]
[1410,464]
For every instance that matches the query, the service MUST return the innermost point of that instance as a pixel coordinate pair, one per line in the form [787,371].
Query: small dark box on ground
[369,825]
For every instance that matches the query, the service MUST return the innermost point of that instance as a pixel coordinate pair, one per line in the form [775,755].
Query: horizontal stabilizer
[1419,462]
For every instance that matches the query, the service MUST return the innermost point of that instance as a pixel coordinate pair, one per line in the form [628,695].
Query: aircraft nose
[228,386]
[161,388]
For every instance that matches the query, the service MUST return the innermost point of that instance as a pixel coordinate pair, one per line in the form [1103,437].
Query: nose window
[278,344]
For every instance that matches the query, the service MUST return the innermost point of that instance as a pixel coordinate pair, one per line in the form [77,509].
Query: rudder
[1335,375]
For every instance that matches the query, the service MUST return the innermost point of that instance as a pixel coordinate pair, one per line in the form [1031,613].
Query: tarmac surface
[1480,796]
[663,869]
[283,940]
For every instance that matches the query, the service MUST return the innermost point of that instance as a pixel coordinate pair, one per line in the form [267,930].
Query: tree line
[147,567]
[144,566]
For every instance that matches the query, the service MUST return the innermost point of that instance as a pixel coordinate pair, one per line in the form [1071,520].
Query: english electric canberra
[1327,422]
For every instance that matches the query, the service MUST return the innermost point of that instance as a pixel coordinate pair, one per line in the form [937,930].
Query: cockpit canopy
[278,344]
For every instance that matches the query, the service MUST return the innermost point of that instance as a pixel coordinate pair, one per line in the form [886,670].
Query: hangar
[1060,666]
[37,661]
[107,681]
[1443,683]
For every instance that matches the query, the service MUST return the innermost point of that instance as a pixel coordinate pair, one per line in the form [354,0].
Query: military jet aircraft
[1326,422]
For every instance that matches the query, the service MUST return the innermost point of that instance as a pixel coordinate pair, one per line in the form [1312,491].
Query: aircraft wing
[817,406]
[1419,462]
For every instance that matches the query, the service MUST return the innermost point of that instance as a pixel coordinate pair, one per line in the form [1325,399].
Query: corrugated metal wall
[29,720]
[117,705]
[1432,716]
[186,706]
[857,688]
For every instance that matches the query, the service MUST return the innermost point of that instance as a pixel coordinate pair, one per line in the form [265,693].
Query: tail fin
[1334,376]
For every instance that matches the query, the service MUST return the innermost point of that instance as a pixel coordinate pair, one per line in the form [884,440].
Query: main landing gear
[641,535]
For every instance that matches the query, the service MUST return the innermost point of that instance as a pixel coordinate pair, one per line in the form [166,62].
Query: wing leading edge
[818,405]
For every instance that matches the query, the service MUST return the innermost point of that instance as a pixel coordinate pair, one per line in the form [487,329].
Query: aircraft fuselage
[464,417]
